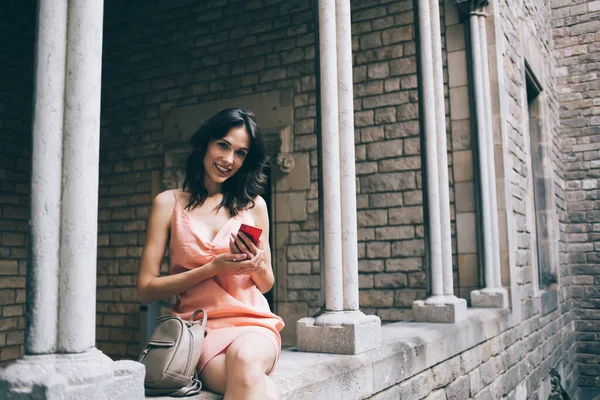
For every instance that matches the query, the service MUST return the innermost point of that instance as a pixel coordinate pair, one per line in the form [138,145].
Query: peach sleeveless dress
[233,302]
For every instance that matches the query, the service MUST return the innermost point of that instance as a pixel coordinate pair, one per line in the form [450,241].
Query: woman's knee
[252,349]
[244,356]
[245,365]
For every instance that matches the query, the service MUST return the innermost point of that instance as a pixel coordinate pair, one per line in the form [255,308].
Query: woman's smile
[222,170]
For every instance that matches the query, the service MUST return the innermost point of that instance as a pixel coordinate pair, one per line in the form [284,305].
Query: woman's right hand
[236,264]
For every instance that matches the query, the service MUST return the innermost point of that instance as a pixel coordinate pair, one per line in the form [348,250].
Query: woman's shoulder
[166,200]
[260,202]
[163,206]
[259,207]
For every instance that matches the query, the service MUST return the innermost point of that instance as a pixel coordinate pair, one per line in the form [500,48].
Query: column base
[339,332]
[489,298]
[450,311]
[90,375]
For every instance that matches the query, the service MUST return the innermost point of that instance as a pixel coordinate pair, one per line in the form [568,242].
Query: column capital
[467,7]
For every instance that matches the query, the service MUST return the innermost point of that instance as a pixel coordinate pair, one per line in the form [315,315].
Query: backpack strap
[194,387]
[195,314]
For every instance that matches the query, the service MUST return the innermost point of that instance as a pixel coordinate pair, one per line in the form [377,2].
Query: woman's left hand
[242,244]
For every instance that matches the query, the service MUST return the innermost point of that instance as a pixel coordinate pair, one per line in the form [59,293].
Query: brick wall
[17,22]
[577,41]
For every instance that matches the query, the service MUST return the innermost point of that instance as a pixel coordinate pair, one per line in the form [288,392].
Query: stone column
[493,295]
[348,161]
[61,360]
[491,160]
[46,171]
[442,306]
[340,328]
[330,159]
[481,147]
[430,132]
[442,152]
[79,212]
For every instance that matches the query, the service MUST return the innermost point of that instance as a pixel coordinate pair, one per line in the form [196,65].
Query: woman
[212,265]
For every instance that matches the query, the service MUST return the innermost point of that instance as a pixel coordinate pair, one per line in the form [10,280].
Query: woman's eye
[222,145]
[241,153]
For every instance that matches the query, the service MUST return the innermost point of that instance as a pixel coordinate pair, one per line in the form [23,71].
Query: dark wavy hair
[248,182]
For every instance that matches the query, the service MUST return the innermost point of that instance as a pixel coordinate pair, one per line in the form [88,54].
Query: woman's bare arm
[151,286]
[263,276]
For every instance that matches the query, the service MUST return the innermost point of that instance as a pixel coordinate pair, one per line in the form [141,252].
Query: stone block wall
[17,28]
[529,39]
[512,365]
[577,42]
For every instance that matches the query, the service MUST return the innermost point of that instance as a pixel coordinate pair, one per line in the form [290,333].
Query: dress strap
[177,199]
[176,206]
[175,195]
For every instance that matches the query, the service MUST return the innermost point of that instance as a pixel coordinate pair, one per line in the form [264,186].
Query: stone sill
[408,348]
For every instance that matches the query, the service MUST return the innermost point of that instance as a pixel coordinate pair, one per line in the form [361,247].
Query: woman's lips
[222,170]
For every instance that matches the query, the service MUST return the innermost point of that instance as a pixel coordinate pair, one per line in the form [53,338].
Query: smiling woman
[213,265]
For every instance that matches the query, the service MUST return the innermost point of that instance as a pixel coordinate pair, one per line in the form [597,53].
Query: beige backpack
[172,354]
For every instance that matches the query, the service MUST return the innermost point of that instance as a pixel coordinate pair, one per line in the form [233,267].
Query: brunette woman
[213,265]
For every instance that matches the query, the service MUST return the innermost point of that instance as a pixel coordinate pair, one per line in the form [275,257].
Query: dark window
[541,165]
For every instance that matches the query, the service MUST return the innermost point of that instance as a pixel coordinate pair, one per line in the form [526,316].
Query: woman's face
[225,156]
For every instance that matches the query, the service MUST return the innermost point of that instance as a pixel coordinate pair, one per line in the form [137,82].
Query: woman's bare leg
[248,359]
[213,376]
[272,390]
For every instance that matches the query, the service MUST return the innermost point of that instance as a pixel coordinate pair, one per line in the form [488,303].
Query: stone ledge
[89,375]
[407,349]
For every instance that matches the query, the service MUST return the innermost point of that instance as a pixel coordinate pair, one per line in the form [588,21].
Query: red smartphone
[252,232]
